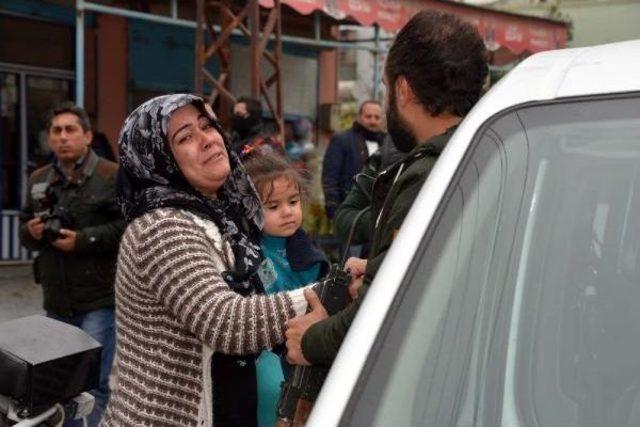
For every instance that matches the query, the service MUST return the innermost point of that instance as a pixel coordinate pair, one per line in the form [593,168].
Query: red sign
[516,32]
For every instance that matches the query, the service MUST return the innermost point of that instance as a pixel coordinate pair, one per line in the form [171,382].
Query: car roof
[551,75]
[546,76]
[609,68]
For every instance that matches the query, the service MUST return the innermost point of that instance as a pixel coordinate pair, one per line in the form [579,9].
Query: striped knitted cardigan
[173,310]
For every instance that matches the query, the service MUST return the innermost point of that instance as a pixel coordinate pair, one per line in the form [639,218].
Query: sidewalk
[19,295]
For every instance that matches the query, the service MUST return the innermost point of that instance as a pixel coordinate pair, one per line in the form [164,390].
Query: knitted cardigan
[173,310]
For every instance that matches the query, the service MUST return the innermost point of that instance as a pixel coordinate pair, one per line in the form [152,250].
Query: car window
[521,305]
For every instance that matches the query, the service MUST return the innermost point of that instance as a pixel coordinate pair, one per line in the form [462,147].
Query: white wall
[299,80]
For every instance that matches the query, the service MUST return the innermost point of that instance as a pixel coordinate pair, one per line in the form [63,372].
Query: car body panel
[547,76]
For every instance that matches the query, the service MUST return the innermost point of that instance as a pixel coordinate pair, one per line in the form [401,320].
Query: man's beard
[403,139]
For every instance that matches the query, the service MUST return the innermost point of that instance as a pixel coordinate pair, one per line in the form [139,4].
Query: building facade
[134,50]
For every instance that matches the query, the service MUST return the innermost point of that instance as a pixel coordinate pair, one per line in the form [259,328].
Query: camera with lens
[46,207]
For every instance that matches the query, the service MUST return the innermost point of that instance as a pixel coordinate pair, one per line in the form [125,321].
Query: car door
[520,305]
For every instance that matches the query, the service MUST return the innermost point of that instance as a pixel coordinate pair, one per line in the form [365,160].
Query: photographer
[72,220]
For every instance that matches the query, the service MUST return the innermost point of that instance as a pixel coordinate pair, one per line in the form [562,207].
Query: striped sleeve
[182,268]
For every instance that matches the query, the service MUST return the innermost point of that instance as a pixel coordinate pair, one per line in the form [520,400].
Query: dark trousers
[235,391]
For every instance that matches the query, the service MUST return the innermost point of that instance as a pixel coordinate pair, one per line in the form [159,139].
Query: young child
[291,260]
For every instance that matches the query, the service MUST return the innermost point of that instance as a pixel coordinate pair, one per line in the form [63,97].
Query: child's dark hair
[265,168]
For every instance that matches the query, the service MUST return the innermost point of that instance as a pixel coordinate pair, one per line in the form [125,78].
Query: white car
[511,295]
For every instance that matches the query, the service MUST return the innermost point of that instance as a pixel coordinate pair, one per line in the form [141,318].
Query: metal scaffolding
[248,21]
[274,34]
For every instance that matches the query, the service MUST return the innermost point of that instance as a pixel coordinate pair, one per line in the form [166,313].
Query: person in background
[71,218]
[291,260]
[347,153]
[249,131]
[354,213]
[300,145]
[435,71]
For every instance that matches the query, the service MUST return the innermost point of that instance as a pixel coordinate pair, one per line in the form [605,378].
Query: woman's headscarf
[149,178]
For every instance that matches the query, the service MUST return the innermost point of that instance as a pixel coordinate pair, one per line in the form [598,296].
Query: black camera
[46,207]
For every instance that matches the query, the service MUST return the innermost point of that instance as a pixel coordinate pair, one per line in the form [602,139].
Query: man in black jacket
[72,220]
[434,74]
[347,153]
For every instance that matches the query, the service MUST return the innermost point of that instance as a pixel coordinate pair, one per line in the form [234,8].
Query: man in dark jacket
[434,74]
[72,220]
[347,153]
[248,130]
[352,221]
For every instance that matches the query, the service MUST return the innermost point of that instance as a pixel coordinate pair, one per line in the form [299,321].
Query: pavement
[19,295]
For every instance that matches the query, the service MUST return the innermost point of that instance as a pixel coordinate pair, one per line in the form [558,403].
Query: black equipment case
[44,361]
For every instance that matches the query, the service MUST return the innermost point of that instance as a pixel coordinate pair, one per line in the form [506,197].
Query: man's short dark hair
[443,59]
[367,102]
[69,107]
[254,107]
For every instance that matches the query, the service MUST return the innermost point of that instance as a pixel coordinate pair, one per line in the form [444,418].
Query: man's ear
[404,92]
[88,137]
[49,143]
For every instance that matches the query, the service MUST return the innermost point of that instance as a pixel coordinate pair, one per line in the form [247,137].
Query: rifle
[300,391]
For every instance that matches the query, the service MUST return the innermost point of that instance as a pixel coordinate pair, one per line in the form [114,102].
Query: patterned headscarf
[149,178]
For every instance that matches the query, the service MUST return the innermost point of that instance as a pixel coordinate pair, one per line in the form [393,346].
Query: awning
[518,33]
